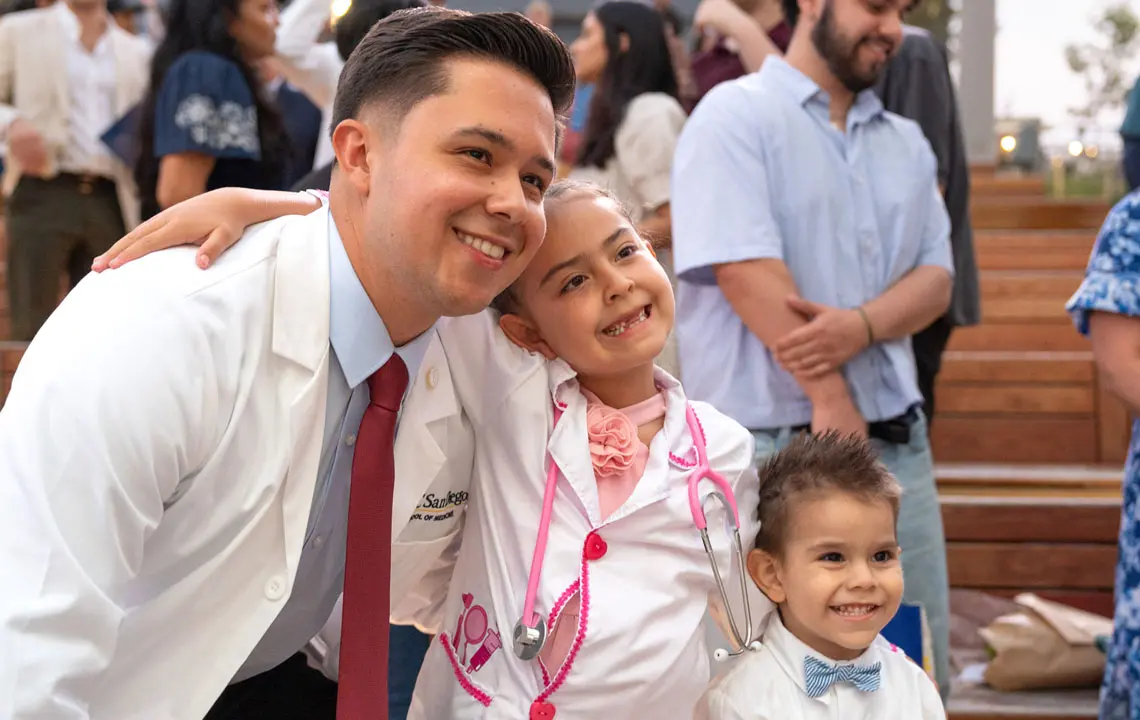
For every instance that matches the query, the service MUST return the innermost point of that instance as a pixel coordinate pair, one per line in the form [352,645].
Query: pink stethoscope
[530,631]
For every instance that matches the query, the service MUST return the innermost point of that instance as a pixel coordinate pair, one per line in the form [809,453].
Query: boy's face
[839,579]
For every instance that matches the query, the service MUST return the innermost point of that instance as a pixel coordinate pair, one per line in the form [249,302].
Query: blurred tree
[934,16]
[1102,64]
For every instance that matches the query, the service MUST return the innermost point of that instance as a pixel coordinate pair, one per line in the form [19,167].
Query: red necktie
[363,689]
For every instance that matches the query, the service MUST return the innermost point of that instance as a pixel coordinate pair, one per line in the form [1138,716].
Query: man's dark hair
[792,10]
[401,60]
[811,466]
[361,16]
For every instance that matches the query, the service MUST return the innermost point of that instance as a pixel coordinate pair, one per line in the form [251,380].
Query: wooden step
[1038,367]
[1029,296]
[1033,249]
[1063,549]
[1019,399]
[1037,214]
[1029,480]
[1024,438]
[1004,186]
[1026,406]
[1019,336]
[1030,283]
[981,703]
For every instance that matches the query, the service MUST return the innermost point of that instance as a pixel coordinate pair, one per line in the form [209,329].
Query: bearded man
[811,241]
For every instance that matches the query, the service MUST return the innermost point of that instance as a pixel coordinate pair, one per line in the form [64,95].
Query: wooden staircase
[1022,386]
[1028,442]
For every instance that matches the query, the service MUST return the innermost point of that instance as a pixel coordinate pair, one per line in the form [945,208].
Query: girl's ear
[523,333]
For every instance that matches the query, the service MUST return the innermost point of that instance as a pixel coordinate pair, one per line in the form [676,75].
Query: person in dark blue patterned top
[207,122]
[1106,307]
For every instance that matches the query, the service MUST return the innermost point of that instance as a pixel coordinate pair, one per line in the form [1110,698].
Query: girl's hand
[214,220]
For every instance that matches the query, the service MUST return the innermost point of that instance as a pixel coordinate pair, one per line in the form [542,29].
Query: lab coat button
[595,547]
[432,378]
[541,711]
[275,588]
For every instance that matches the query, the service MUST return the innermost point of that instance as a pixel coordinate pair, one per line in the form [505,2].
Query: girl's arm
[214,220]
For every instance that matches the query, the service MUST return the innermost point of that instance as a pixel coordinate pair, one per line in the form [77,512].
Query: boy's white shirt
[768,684]
[643,653]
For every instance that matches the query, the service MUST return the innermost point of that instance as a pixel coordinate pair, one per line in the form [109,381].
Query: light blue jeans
[920,531]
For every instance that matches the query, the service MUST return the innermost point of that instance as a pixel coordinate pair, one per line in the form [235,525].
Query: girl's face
[589,51]
[255,28]
[594,295]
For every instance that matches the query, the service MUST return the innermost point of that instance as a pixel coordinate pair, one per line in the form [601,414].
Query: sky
[1031,75]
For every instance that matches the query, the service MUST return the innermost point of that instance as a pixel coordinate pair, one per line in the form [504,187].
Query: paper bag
[1045,645]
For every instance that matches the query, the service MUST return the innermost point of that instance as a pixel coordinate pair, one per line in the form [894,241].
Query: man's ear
[351,140]
[765,571]
[524,334]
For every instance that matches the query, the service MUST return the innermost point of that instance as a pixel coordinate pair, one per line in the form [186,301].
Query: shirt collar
[790,652]
[866,107]
[358,334]
[71,25]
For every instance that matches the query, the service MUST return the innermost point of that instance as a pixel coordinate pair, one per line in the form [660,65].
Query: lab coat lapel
[301,336]
[569,444]
[430,402]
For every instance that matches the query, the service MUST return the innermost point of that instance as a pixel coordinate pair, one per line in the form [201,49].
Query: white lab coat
[642,643]
[158,454]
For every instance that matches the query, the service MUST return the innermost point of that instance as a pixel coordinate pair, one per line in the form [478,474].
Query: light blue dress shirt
[760,173]
[360,346]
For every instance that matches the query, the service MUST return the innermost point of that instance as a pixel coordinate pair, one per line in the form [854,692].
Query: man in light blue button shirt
[812,241]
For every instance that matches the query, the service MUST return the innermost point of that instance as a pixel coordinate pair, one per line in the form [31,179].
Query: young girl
[579,515]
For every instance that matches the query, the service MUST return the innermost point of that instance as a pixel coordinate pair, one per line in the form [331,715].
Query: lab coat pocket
[470,642]
[421,575]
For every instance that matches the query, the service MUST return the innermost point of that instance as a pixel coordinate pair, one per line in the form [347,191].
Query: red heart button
[595,547]
[541,711]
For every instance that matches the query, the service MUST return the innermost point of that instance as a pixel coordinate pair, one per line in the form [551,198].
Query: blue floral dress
[1112,284]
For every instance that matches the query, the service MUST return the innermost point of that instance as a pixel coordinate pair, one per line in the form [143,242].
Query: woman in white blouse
[634,119]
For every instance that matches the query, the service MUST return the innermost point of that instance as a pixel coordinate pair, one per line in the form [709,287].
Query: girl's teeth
[491,250]
[618,329]
[855,610]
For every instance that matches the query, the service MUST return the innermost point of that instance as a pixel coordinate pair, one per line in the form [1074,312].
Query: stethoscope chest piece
[528,641]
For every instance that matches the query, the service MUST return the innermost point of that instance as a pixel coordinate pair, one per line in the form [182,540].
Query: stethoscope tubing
[530,631]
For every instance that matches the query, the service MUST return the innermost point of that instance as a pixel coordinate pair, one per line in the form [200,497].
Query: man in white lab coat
[177,448]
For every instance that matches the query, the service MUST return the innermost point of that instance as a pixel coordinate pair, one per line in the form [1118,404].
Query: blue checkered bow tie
[820,676]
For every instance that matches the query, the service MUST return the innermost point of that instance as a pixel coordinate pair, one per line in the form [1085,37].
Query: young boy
[828,556]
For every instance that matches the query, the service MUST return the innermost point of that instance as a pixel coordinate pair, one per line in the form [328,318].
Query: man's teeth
[855,610]
[491,250]
[619,328]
